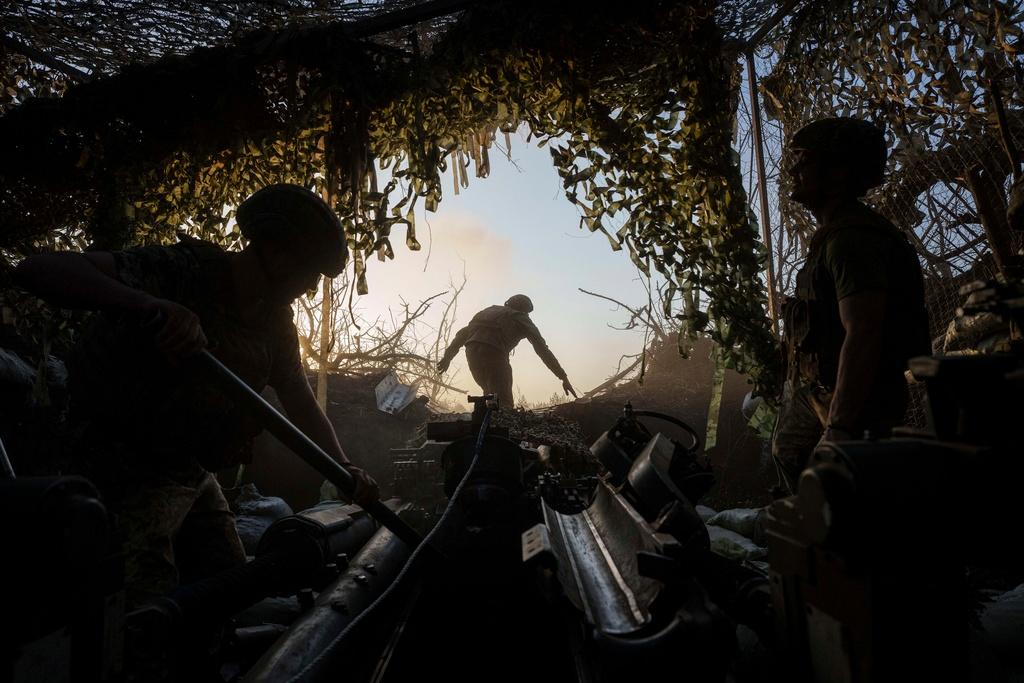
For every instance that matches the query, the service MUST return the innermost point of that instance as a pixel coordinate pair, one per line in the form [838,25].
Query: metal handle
[292,437]
[6,469]
[690,431]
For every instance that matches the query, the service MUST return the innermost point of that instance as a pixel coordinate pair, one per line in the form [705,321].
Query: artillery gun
[533,572]
[871,559]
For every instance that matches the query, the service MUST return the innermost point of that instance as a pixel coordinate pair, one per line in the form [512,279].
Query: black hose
[674,420]
[334,644]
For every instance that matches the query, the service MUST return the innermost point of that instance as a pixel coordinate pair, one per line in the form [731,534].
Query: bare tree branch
[639,316]
[615,379]
[400,339]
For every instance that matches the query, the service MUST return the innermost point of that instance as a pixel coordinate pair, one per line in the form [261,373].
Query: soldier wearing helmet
[858,313]
[490,337]
[152,429]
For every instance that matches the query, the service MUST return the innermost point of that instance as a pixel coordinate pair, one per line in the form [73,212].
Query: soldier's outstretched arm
[72,280]
[90,281]
[541,348]
[458,341]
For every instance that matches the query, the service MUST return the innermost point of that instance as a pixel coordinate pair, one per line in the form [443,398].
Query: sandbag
[1003,621]
[741,520]
[734,546]
[254,513]
[705,513]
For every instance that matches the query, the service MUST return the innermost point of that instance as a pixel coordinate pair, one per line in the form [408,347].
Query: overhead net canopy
[127,121]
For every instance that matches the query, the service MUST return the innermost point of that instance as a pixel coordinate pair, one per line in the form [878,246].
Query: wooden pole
[762,187]
[754,40]
[325,341]
[988,198]
[327,292]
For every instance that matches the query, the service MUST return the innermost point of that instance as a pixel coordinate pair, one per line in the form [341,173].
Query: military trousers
[801,423]
[492,371]
[803,417]
[177,531]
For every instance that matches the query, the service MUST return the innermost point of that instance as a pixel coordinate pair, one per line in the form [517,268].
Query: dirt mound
[543,428]
[681,387]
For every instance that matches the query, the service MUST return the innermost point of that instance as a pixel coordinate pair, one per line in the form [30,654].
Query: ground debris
[542,428]
[536,428]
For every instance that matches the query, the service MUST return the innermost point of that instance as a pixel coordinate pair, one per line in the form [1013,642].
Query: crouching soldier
[153,427]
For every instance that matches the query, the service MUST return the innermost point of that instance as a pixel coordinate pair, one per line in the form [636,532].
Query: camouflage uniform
[490,337]
[856,250]
[152,434]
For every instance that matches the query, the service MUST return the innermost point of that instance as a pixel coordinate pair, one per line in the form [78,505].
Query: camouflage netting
[125,121]
[637,129]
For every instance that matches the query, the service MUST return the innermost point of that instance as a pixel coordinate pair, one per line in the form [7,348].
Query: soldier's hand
[568,388]
[178,333]
[442,366]
[367,490]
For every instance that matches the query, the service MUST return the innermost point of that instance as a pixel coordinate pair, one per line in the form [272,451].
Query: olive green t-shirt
[142,414]
[859,260]
[855,251]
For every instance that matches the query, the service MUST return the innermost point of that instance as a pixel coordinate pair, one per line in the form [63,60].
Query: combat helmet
[520,302]
[292,216]
[847,140]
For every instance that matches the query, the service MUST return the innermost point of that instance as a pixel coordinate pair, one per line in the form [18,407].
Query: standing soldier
[859,311]
[153,428]
[489,339]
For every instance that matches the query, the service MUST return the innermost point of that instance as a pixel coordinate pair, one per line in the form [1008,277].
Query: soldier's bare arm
[89,281]
[862,316]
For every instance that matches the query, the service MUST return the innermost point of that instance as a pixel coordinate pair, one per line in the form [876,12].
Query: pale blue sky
[517,233]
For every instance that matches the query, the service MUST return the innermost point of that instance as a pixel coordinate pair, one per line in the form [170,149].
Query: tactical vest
[814,330]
